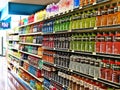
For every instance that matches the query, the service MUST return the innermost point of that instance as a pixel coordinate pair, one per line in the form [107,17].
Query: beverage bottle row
[48,56]
[83,42]
[62,59]
[86,65]
[32,49]
[110,70]
[33,83]
[48,41]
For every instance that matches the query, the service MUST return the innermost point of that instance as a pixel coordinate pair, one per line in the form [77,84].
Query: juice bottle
[103,43]
[98,18]
[116,72]
[76,3]
[108,73]
[116,43]
[93,18]
[86,42]
[67,23]
[82,83]
[79,38]
[103,68]
[74,22]
[79,21]
[75,42]
[110,16]
[98,41]
[87,24]
[104,17]
[71,21]
[117,14]
[72,42]
[83,20]
[109,44]
[86,84]
[91,85]
[92,42]
[81,3]
[83,42]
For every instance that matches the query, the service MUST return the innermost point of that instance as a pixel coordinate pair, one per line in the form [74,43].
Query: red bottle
[103,43]
[116,43]
[38,74]
[109,43]
[116,72]
[98,42]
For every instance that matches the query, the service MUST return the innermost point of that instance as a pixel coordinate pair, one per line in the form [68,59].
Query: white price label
[95,28]
[73,51]
[94,53]
[69,30]
[94,3]
[80,8]
[95,79]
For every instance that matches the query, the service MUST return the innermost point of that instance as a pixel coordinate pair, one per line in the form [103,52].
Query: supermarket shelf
[94,29]
[29,34]
[55,82]
[30,23]
[29,63]
[56,66]
[15,33]
[30,54]
[20,80]
[39,79]
[14,56]
[67,12]
[30,44]
[85,75]
[13,48]
[14,40]
[45,87]
[86,53]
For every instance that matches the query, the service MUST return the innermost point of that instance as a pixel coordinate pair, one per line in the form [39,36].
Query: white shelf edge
[30,23]
[37,33]
[14,56]
[29,63]
[30,44]
[39,79]
[22,80]
[30,54]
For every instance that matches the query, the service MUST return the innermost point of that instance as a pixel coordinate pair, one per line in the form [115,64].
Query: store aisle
[7,82]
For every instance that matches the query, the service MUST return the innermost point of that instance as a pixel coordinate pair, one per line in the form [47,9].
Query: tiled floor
[7,82]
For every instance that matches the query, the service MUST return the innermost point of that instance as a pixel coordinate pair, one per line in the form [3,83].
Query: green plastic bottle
[83,42]
[74,22]
[75,42]
[68,23]
[87,23]
[83,20]
[93,18]
[80,21]
[79,42]
[72,42]
[86,42]
[71,21]
[92,42]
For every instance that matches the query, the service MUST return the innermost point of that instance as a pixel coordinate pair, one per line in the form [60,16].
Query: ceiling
[40,2]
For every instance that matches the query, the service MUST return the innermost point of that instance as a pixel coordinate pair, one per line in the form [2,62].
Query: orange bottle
[104,17]
[110,16]
[117,14]
[98,18]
